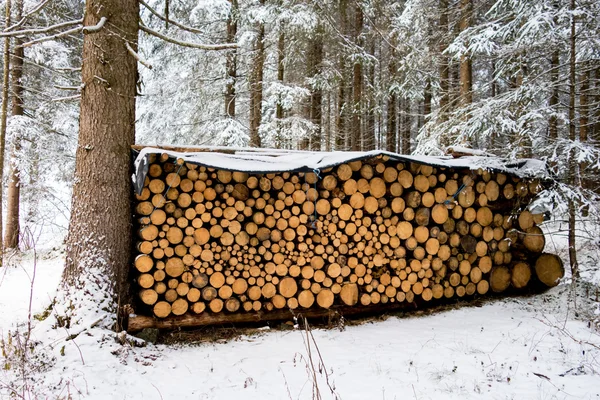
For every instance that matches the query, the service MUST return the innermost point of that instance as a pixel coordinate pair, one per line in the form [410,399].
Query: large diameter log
[500,279]
[521,274]
[549,269]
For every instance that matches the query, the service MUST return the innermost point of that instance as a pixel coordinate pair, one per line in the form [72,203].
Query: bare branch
[34,10]
[137,56]
[200,46]
[169,21]
[35,31]
[61,87]
[68,98]
[52,37]
[85,29]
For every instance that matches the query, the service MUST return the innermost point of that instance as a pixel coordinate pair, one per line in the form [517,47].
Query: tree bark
[443,61]
[369,140]
[11,236]
[584,120]
[280,142]
[100,228]
[392,112]
[572,163]
[357,82]
[4,111]
[340,119]
[231,61]
[256,85]
[405,125]
[315,60]
[466,73]
[427,102]
[553,103]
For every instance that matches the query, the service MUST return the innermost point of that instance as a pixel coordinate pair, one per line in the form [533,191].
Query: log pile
[366,232]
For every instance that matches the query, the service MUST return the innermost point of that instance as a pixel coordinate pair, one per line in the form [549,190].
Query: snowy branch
[95,28]
[200,46]
[35,31]
[169,21]
[137,56]
[85,29]
[34,10]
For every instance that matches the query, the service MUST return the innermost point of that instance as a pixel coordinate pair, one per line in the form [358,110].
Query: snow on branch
[137,56]
[169,21]
[200,46]
[35,31]
[94,28]
[85,29]
[34,10]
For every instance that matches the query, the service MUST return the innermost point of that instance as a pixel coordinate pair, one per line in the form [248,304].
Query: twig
[159,393]
[200,46]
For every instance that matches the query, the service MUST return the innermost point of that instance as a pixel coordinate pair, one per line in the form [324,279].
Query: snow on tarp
[264,161]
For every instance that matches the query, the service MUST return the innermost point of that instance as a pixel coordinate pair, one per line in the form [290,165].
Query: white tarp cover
[262,161]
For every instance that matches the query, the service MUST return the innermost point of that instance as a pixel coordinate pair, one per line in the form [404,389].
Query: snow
[272,160]
[528,347]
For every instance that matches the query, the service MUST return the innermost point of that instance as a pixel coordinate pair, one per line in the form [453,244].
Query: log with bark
[369,232]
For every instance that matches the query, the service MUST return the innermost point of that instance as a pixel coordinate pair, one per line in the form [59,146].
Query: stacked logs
[366,232]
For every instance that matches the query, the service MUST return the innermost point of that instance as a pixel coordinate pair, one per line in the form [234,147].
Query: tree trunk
[340,118]
[369,140]
[554,69]
[4,112]
[315,60]
[357,82]
[280,142]
[427,102]
[443,62]
[405,125]
[466,74]
[572,163]
[11,237]
[256,85]
[99,236]
[392,112]
[231,61]
[596,102]
[584,120]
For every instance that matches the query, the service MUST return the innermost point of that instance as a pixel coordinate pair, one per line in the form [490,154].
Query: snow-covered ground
[545,346]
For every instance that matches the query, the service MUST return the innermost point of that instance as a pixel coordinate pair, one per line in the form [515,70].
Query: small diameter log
[549,269]
[349,294]
[534,240]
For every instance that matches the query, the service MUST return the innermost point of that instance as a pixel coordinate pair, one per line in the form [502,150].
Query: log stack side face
[367,232]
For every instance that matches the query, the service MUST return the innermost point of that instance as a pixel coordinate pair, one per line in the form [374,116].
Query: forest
[511,78]
[83,81]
